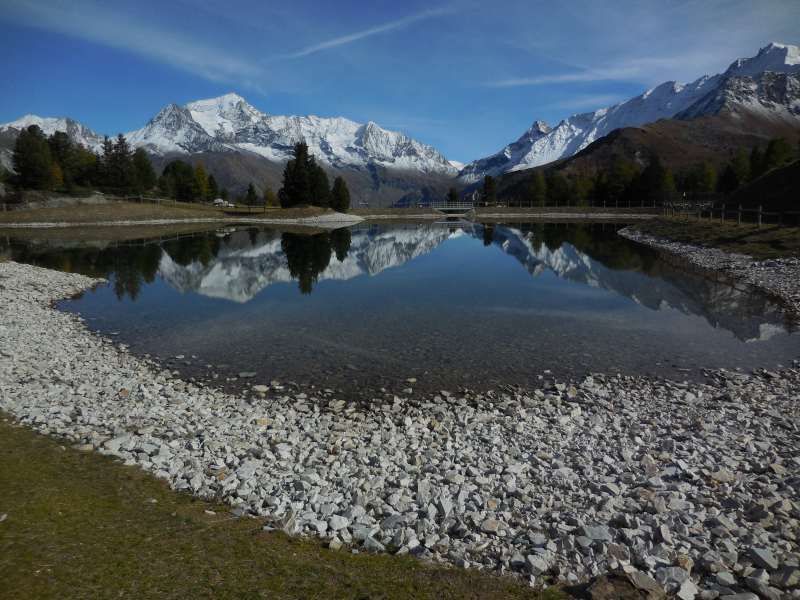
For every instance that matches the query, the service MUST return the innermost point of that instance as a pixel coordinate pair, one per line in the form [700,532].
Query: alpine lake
[433,306]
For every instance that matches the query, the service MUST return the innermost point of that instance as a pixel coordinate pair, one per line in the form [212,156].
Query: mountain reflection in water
[403,297]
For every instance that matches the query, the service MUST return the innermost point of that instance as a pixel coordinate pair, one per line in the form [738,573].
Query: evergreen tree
[340,196]
[582,187]
[622,175]
[200,182]
[144,174]
[779,152]
[296,187]
[178,181]
[223,193]
[757,164]
[489,196]
[655,182]
[213,190]
[33,161]
[558,191]
[340,242]
[123,177]
[735,174]
[537,189]
[320,187]
[488,234]
[452,196]
[251,198]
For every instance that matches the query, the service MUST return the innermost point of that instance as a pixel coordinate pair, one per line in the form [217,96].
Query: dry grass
[81,525]
[768,241]
[131,211]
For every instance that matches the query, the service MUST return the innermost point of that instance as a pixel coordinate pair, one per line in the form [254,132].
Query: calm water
[449,305]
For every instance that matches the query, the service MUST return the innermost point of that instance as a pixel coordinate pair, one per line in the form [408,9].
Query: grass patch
[535,210]
[133,211]
[768,241]
[81,525]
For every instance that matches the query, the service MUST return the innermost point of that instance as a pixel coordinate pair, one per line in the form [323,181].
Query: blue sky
[466,76]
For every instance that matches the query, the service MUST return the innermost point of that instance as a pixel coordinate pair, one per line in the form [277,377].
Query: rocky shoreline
[778,278]
[688,489]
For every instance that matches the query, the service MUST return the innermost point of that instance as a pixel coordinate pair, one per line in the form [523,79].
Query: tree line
[55,162]
[626,183]
[305,182]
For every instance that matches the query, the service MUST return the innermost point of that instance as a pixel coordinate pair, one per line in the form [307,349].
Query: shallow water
[450,305]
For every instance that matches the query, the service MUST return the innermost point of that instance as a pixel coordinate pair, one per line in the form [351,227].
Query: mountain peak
[226,101]
[541,145]
[539,127]
[777,57]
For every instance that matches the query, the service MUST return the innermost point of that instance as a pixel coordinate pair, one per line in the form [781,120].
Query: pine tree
[779,152]
[178,181]
[33,161]
[320,187]
[213,189]
[537,189]
[296,187]
[123,177]
[489,191]
[251,198]
[200,182]
[144,174]
[340,242]
[757,165]
[452,196]
[558,192]
[340,196]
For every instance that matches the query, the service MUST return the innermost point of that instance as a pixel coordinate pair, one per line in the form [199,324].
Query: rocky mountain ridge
[765,85]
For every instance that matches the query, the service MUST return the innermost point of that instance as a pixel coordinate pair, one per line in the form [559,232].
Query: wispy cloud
[96,22]
[365,33]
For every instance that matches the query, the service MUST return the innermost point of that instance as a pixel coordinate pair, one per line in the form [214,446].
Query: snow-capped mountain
[767,83]
[229,123]
[750,317]
[77,132]
[243,267]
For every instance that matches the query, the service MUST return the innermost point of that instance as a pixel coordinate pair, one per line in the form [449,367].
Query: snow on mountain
[751,79]
[229,123]
[242,268]
[49,125]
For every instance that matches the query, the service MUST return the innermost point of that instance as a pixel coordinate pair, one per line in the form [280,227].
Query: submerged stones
[698,499]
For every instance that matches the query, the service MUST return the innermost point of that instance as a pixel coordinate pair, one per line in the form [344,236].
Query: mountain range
[755,97]
[244,266]
[764,87]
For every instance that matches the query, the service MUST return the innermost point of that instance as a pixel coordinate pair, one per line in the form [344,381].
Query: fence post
[739,215]
[759,215]
[723,212]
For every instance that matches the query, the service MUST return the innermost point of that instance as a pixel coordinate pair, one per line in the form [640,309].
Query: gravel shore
[779,278]
[688,489]
[326,220]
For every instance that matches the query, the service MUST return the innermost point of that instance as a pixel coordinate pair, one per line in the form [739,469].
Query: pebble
[696,496]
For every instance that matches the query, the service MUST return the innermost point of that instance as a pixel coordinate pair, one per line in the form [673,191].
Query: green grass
[81,525]
[768,241]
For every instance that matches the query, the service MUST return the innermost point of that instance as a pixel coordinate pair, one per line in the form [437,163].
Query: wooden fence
[725,212]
